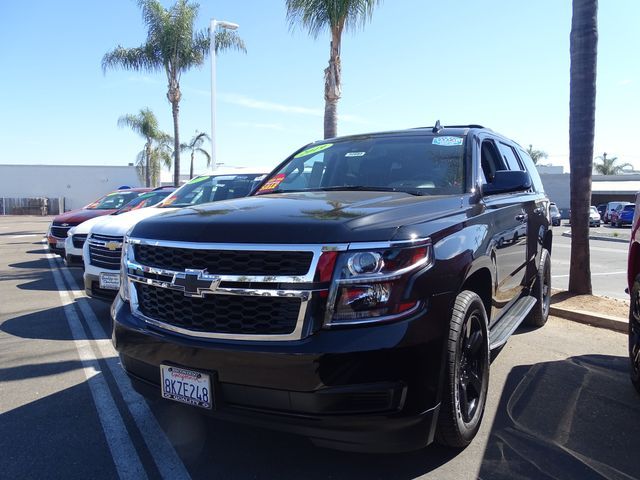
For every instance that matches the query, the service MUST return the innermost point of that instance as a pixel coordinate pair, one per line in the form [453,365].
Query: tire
[466,378]
[541,291]
[634,334]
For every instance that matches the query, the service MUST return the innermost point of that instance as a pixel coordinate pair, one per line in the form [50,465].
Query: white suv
[103,247]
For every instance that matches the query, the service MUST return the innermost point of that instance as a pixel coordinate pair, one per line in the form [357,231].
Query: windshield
[113,200]
[211,188]
[420,165]
[594,210]
[145,200]
[553,209]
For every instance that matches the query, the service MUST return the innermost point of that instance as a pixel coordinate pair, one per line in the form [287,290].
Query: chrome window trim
[296,334]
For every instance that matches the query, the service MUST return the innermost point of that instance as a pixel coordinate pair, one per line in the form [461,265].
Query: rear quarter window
[531,168]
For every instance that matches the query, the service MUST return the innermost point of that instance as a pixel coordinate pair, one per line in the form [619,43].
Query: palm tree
[535,154]
[160,155]
[173,47]
[334,15]
[195,146]
[607,167]
[145,124]
[582,108]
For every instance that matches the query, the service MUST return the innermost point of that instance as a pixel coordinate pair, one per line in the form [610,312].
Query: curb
[601,321]
[599,237]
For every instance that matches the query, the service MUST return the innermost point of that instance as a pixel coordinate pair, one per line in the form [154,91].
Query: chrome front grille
[105,251]
[78,240]
[59,231]
[228,314]
[222,291]
[225,262]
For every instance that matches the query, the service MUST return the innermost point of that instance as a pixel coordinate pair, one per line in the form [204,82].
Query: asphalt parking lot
[560,403]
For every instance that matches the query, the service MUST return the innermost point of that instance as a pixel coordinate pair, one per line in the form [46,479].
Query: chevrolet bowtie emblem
[65,224]
[113,246]
[196,283]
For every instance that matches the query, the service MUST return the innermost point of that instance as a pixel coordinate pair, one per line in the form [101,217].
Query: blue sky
[500,63]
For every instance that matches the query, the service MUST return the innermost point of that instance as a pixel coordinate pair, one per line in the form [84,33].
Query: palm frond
[317,16]
[138,59]
[229,40]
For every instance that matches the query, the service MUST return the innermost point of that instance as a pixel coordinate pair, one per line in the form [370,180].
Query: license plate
[110,281]
[60,244]
[186,386]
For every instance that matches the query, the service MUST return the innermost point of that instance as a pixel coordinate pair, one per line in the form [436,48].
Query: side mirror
[506,181]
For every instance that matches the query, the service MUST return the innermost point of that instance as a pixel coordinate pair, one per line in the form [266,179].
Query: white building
[79,185]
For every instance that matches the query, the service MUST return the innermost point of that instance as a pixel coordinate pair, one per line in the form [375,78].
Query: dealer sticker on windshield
[447,141]
[312,150]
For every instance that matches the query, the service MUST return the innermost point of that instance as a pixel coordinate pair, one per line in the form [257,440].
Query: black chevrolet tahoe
[354,298]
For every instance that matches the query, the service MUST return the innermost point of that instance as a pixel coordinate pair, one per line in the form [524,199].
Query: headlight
[371,285]
[124,281]
[71,231]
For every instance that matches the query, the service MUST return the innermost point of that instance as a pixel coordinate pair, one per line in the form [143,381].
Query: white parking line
[123,453]
[164,455]
[593,274]
[22,236]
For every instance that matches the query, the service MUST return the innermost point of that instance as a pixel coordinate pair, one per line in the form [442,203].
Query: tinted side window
[533,171]
[510,157]
[491,160]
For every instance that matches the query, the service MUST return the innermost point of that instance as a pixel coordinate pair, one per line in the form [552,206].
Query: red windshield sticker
[272,183]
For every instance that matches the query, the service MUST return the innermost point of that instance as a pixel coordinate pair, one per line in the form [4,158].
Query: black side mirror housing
[507,181]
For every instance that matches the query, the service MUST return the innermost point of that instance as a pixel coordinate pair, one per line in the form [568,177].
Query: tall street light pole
[212,46]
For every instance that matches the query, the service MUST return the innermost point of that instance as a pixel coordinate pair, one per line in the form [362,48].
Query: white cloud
[248,102]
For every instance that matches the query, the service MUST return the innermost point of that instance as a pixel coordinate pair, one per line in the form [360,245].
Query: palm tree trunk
[175,109]
[147,164]
[582,107]
[191,169]
[332,87]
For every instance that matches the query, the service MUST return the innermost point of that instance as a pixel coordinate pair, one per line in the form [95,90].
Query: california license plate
[110,281]
[186,386]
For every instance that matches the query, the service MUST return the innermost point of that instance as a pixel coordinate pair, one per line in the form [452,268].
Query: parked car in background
[555,214]
[633,281]
[623,215]
[102,250]
[611,207]
[602,208]
[354,298]
[59,227]
[77,235]
[594,217]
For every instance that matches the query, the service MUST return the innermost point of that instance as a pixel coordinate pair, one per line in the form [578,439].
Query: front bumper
[374,388]
[53,242]
[92,287]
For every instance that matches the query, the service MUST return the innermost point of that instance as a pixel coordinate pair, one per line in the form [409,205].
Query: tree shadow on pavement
[573,418]
[51,324]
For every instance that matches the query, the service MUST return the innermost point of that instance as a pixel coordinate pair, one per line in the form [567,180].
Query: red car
[57,233]
[633,280]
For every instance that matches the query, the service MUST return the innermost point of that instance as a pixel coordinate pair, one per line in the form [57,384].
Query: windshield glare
[424,165]
[211,188]
[145,200]
[113,201]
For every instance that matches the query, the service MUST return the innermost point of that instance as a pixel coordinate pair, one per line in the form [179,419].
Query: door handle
[522,217]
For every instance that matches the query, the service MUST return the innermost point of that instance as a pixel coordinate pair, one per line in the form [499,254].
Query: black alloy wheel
[541,291]
[466,372]
[471,366]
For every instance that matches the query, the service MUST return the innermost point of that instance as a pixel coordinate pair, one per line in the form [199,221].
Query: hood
[75,217]
[118,225]
[304,217]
